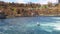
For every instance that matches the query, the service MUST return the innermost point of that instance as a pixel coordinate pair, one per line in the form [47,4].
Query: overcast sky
[34,1]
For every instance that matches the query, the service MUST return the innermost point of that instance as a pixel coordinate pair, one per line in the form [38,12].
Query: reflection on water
[30,25]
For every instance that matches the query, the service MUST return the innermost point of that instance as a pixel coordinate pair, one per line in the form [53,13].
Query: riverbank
[29,16]
[29,10]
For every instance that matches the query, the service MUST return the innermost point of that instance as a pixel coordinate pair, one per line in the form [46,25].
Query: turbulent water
[30,25]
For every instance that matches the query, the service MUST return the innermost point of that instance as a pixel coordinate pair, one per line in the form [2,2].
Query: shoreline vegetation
[29,10]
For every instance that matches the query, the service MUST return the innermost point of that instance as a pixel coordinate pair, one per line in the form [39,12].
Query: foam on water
[55,17]
[49,27]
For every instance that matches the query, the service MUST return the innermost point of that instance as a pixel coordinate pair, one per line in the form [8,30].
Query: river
[29,25]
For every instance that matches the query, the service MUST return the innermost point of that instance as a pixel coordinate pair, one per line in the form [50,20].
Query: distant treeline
[29,9]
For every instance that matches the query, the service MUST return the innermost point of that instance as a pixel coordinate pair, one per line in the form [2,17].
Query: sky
[34,1]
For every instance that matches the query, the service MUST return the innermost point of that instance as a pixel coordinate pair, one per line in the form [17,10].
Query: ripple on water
[28,25]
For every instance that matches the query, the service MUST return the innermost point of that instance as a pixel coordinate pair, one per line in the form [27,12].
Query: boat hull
[2,17]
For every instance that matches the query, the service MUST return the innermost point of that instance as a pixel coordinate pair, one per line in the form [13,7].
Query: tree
[49,4]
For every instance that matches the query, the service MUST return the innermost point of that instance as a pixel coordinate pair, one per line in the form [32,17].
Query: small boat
[38,24]
[2,15]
